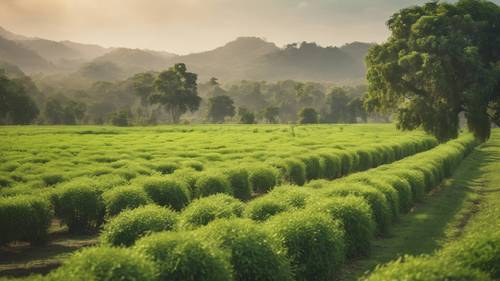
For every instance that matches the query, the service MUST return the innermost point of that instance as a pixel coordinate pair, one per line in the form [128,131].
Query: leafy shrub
[130,225]
[196,165]
[389,192]
[238,180]
[292,170]
[375,198]
[414,177]
[204,210]
[166,167]
[5,182]
[262,179]
[264,207]
[188,176]
[425,269]
[365,159]
[480,252]
[106,264]
[25,218]
[291,195]
[79,205]
[402,186]
[121,198]
[347,161]
[52,179]
[356,217]
[330,166]
[251,252]
[167,191]
[312,165]
[209,184]
[314,243]
[182,256]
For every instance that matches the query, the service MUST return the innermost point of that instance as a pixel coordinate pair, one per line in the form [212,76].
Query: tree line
[174,96]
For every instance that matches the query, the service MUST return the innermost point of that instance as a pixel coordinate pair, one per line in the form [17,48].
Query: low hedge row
[305,233]
[84,203]
[25,218]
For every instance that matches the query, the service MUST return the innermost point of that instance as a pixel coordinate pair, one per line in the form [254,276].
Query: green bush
[365,159]
[356,217]
[79,205]
[262,179]
[106,264]
[238,180]
[125,197]
[251,252]
[314,243]
[210,184]
[291,195]
[167,191]
[375,198]
[52,179]
[312,165]
[188,176]
[204,210]
[182,256]
[346,161]
[264,207]
[25,218]
[425,269]
[166,167]
[480,252]
[196,165]
[130,225]
[402,186]
[389,192]
[414,177]
[330,166]
[292,171]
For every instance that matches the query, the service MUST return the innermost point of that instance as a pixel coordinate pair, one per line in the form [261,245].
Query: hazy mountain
[256,59]
[29,61]
[248,58]
[86,51]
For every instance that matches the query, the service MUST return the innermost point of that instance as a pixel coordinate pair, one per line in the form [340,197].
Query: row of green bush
[84,203]
[296,233]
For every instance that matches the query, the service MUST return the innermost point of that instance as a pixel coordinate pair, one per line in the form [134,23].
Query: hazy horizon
[186,26]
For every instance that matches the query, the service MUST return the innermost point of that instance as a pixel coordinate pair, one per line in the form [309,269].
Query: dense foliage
[441,60]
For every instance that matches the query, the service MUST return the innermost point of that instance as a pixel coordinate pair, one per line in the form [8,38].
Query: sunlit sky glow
[184,26]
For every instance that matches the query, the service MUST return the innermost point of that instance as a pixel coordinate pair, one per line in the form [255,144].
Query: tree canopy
[441,60]
[176,90]
[219,107]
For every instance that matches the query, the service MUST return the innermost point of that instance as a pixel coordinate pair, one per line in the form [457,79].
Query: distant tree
[357,109]
[271,114]
[219,107]
[54,111]
[60,110]
[176,90]
[246,116]
[440,60]
[120,118]
[143,85]
[308,115]
[337,107]
[16,106]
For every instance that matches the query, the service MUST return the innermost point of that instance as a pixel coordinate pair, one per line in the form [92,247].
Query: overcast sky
[184,26]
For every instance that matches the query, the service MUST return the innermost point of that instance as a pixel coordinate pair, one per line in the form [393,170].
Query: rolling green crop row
[83,202]
[476,254]
[300,233]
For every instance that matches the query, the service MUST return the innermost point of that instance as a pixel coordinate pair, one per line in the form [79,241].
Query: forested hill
[246,58]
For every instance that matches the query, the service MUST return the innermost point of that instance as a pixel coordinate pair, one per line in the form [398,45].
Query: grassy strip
[461,218]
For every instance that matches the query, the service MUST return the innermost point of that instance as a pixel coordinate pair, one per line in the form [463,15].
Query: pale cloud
[184,26]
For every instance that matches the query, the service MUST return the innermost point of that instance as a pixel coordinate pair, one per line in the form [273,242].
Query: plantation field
[37,157]
[220,202]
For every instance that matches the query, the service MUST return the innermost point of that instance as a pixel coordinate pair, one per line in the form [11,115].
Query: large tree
[440,60]
[16,106]
[219,107]
[176,90]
